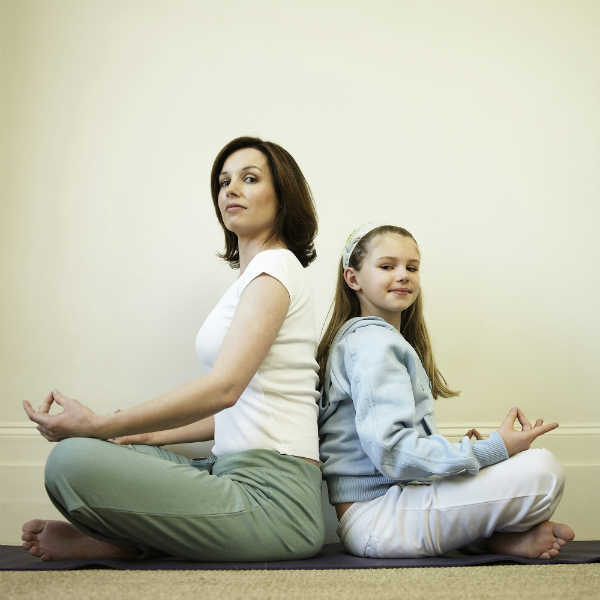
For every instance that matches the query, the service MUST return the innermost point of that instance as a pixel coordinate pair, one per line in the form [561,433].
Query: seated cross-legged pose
[258,495]
[400,488]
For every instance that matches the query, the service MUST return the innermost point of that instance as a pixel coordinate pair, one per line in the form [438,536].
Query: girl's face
[247,198]
[388,280]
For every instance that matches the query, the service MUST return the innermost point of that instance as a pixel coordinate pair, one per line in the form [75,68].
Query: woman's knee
[71,458]
[315,539]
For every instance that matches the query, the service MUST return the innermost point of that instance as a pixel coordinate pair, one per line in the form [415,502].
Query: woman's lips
[401,292]
[233,207]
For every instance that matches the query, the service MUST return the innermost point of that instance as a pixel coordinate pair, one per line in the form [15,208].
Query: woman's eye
[223,182]
[249,179]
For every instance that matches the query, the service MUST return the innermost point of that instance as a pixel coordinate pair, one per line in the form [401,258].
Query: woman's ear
[350,279]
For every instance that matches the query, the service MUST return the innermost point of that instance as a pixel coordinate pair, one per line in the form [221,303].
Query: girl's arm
[382,392]
[200,431]
[257,320]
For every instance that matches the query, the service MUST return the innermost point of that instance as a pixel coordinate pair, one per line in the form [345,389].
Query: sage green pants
[250,506]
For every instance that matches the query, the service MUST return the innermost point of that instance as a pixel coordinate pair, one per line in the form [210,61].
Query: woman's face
[247,198]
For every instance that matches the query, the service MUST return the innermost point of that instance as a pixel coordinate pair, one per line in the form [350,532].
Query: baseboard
[572,443]
[23,453]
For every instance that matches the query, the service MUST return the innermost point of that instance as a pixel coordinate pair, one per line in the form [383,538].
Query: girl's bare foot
[58,540]
[542,541]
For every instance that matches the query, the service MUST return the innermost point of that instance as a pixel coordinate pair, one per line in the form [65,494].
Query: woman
[258,496]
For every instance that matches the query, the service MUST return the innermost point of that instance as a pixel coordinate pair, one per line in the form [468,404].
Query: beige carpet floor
[560,582]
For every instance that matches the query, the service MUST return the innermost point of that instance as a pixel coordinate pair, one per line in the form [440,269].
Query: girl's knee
[541,465]
[539,460]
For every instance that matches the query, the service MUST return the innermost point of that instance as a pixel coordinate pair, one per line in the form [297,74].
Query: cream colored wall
[473,124]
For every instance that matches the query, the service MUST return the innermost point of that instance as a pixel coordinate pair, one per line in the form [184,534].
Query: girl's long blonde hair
[346,306]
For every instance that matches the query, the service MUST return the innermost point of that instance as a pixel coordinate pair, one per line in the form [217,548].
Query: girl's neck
[249,248]
[395,322]
[393,318]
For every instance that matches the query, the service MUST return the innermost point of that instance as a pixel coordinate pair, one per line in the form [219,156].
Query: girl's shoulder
[366,336]
[369,327]
[365,344]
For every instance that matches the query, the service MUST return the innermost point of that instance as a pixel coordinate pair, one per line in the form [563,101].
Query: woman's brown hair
[413,328]
[296,220]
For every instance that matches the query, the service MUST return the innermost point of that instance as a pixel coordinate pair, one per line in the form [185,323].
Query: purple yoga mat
[332,556]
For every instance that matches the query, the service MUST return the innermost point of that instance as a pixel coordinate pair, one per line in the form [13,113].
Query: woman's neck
[249,248]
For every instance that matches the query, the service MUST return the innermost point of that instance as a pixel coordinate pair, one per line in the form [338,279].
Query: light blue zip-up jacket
[376,423]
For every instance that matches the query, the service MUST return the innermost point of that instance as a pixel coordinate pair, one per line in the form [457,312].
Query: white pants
[426,520]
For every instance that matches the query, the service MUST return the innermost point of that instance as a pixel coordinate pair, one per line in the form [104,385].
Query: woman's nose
[232,189]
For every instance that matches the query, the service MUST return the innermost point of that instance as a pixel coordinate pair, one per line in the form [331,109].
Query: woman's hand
[146,439]
[518,440]
[200,431]
[76,420]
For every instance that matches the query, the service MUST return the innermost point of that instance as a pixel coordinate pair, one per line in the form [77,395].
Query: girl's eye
[386,267]
[413,269]
[223,182]
[250,179]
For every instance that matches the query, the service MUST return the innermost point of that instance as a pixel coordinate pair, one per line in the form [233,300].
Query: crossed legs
[505,508]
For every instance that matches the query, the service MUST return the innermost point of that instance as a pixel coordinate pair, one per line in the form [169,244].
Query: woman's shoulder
[276,255]
[273,259]
[279,263]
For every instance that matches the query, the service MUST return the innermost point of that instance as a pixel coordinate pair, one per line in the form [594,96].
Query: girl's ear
[350,279]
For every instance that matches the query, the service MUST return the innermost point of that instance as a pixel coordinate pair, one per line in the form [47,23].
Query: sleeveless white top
[278,409]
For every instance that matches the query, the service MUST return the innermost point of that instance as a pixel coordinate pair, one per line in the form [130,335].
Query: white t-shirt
[278,410]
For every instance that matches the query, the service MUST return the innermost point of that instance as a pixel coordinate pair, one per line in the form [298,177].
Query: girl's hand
[76,420]
[473,433]
[518,440]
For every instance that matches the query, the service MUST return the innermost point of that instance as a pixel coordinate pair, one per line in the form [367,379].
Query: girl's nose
[401,274]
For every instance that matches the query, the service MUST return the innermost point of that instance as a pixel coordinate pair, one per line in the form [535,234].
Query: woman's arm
[200,431]
[257,320]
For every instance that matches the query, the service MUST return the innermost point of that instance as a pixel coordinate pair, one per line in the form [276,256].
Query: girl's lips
[232,207]
[401,292]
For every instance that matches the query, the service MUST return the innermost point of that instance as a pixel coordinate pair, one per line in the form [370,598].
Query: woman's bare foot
[542,541]
[58,540]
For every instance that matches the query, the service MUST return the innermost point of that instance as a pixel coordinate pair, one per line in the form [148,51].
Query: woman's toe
[33,526]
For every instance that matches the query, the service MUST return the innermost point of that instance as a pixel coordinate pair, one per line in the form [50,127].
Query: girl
[400,489]
[259,496]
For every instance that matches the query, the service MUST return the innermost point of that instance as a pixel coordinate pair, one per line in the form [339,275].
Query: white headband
[355,237]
